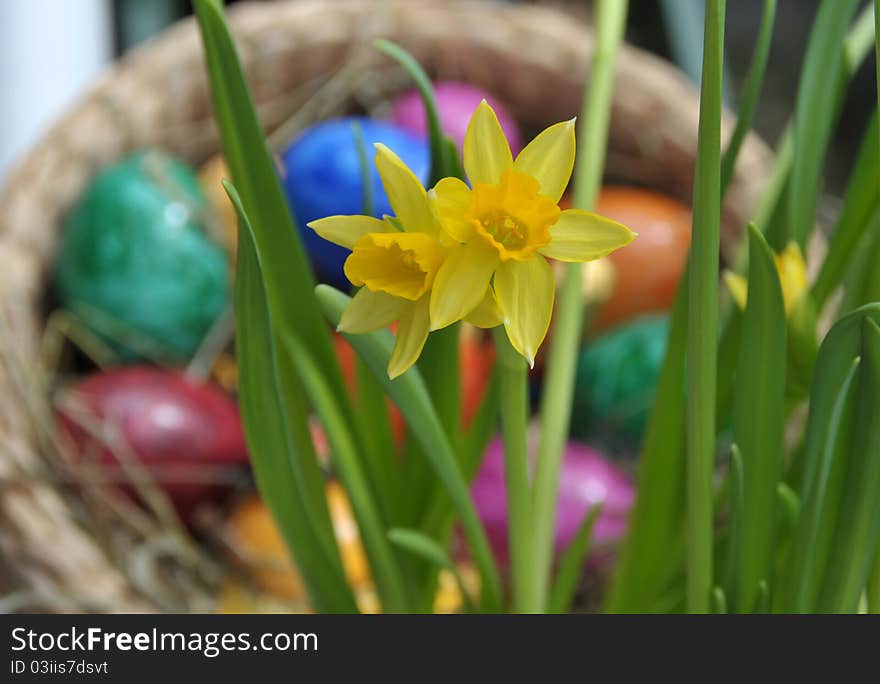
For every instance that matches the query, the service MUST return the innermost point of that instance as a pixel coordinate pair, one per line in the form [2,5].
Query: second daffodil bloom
[507,223]
[793,278]
[395,262]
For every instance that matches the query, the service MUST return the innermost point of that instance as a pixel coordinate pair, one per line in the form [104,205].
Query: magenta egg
[586,478]
[187,434]
[455,103]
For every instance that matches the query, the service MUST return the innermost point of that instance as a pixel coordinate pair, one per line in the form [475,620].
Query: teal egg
[616,377]
[136,263]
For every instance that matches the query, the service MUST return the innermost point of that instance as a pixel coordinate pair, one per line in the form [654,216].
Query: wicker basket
[534,59]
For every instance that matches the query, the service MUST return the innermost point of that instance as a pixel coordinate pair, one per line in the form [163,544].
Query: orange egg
[647,271]
[260,546]
[256,537]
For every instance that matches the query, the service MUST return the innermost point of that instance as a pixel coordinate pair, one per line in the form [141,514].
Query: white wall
[50,50]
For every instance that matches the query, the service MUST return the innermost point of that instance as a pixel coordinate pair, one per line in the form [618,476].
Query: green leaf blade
[275,419]
[816,112]
[412,398]
[857,216]
[825,461]
[758,420]
[858,522]
[648,563]
[702,334]
[571,564]
[286,269]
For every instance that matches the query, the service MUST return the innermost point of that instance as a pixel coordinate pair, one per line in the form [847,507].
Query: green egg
[616,378]
[136,263]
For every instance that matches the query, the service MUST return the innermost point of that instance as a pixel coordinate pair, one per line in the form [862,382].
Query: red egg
[647,271]
[476,357]
[188,435]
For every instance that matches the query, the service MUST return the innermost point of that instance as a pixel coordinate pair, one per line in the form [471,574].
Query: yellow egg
[225,228]
[257,540]
[354,560]
[261,548]
[448,598]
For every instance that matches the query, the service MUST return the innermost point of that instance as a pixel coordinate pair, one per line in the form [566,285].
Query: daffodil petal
[450,200]
[346,230]
[461,282]
[581,235]
[525,292]
[412,331]
[486,151]
[738,287]
[405,193]
[369,311]
[487,314]
[550,158]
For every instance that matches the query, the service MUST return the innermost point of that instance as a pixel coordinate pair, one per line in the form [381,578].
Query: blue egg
[323,178]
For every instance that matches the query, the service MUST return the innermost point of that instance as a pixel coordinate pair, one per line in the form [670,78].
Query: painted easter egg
[616,377]
[256,540]
[647,271]
[322,177]
[259,544]
[586,478]
[188,435]
[476,359]
[456,103]
[135,261]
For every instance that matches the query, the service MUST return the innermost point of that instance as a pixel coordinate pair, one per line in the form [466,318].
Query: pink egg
[587,478]
[188,435]
[455,103]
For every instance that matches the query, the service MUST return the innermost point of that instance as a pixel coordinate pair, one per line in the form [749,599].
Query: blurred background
[53,51]
[86,35]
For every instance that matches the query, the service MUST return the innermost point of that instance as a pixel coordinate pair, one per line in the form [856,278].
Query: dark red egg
[187,434]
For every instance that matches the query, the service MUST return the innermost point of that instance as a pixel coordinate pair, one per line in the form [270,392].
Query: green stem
[703,319]
[443,162]
[559,386]
[364,167]
[514,417]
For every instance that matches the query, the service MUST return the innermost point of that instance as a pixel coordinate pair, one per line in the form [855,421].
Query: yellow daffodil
[506,224]
[792,277]
[395,262]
